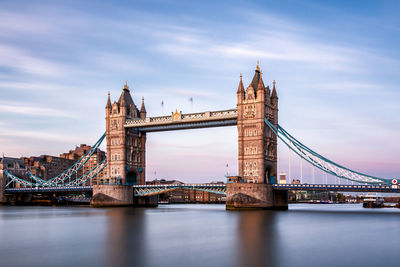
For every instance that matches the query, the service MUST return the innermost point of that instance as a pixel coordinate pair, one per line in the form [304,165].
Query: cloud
[13,23]
[34,86]
[21,61]
[26,109]
[344,87]
[40,135]
[188,92]
[268,45]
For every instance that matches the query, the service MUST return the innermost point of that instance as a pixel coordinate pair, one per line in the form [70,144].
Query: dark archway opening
[267,176]
[131,178]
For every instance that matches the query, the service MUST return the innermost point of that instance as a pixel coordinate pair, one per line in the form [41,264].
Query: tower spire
[142,110]
[274,94]
[126,87]
[108,101]
[240,87]
[260,85]
[258,66]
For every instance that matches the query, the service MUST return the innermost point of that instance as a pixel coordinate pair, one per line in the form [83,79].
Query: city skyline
[336,81]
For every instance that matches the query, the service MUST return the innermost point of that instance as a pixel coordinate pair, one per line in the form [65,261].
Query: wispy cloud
[21,61]
[40,135]
[35,86]
[344,87]
[13,23]
[27,109]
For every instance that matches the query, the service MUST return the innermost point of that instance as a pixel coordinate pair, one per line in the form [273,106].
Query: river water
[199,235]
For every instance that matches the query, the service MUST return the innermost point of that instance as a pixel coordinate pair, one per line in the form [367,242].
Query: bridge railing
[190,117]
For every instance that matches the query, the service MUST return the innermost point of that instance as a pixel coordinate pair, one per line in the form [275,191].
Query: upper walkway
[179,121]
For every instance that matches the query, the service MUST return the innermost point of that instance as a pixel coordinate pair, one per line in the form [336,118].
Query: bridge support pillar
[112,196]
[2,197]
[255,196]
[2,193]
[119,196]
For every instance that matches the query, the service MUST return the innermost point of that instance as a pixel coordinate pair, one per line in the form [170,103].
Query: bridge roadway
[179,121]
[146,190]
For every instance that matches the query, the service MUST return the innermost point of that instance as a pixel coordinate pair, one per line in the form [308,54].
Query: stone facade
[257,143]
[46,166]
[257,149]
[2,185]
[112,195]
[255,196]
[126,148]
[15,166]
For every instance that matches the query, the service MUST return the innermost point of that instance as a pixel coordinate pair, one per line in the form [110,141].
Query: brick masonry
[119,196]
[257,146]
[257,143]
[126,147]
[2,198]
[254,196]
[112,195]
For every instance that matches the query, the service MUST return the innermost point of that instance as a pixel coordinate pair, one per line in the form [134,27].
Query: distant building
[97,157]
[47,167]
[282,178]
[14,166]
[187,195]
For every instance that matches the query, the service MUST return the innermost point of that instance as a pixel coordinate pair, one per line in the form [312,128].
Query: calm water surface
[199,235]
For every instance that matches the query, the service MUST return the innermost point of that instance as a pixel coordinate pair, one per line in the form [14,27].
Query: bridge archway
[267,176]
[131,177]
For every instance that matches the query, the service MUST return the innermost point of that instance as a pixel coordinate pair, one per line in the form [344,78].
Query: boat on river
[373,201]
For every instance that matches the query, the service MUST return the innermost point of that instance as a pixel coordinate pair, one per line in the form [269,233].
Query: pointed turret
[260,89]
[125,99]
[240,92]
[240,87]
[256,77]
[108,106]
[274,94]
[143,110]
[260,85]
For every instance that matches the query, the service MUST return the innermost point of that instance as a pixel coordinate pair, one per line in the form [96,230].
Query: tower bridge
[179,121]
[256,119]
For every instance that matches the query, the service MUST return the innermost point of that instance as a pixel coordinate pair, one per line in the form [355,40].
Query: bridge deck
[341,188]
[214,188]
[179,121]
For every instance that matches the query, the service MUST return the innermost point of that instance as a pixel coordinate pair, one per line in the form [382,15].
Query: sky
[336,66]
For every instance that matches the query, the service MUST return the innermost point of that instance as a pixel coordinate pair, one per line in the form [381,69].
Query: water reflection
[257,238]
[199,235]
[125,237]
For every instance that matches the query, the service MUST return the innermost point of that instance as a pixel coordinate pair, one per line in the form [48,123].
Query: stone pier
[112,196]
[2,194]
[2,197]
[255,196]
[119,196]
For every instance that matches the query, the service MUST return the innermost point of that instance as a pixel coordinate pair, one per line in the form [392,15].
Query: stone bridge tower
[257,148]
[126,147]
[2,181]
[257,143]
